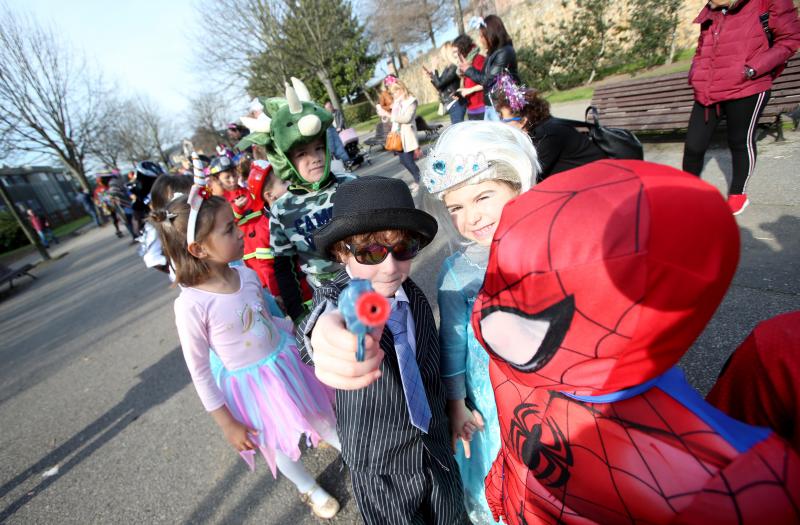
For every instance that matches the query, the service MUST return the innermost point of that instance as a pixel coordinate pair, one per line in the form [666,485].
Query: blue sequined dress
[465,370]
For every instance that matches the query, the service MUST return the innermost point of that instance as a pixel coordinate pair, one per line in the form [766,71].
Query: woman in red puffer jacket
[732,74]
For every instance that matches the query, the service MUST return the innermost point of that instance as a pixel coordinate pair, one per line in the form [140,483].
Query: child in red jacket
[266,188]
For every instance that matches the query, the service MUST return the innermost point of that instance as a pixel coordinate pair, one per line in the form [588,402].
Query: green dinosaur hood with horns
[286,123]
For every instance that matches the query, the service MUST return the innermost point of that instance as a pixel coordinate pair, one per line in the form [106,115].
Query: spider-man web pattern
[598,282]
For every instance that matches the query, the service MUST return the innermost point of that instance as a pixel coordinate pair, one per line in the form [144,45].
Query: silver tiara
[445,173]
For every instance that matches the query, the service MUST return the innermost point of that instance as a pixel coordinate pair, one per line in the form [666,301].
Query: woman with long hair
[403,117]
[471,90]
[501,57]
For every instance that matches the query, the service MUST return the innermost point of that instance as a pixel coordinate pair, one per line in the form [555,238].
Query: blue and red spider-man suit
[599,280]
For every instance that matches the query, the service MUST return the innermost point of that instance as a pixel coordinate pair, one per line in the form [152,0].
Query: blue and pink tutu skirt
[281,398]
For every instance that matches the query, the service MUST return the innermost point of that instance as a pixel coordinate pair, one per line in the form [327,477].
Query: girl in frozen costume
[252,381]
[475,168]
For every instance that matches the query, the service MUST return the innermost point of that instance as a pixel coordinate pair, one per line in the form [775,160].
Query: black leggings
[742,115]
[408,162]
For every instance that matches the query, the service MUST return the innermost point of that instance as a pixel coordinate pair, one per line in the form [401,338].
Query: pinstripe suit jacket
[373,422]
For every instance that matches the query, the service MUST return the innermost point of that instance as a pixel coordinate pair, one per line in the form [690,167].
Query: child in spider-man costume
[599,280]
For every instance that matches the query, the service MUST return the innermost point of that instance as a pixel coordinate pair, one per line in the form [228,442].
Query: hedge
[356,113]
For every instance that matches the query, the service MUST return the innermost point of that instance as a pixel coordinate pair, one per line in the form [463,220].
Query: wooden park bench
[9,274]
[664,103]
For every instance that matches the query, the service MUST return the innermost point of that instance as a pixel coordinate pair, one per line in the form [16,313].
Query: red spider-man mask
[601,278]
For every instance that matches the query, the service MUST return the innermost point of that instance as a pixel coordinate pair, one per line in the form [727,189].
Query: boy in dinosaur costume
[292,130]
[599,280]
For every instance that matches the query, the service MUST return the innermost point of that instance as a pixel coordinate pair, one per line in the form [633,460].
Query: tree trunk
[671,55]
[323,77]
[369,97]
[77,171]
[32,237]
[459,16]
[397,53]
[430,33]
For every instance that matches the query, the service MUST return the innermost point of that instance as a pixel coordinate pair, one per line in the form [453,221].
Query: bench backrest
[665,102]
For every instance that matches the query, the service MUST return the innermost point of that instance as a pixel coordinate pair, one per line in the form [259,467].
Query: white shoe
[414,187]
[327,508]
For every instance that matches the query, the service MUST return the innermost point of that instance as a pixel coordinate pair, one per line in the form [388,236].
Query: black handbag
[616,143]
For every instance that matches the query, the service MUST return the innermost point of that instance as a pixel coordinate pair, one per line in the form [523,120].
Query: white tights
[296,472]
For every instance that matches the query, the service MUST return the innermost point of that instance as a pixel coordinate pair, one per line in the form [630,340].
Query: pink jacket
[732,39]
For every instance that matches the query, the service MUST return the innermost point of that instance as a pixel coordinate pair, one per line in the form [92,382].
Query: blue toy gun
[363,310]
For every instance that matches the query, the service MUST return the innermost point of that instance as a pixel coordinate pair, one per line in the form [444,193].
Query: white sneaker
[326,507]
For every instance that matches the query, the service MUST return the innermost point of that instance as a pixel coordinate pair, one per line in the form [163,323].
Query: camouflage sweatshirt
[293,219]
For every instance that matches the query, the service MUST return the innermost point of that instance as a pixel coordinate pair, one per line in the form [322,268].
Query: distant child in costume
[252,380]
[163,190]
[293,133]
[475,168]
[264,184]
[248,210]
[391,406]
[223,168]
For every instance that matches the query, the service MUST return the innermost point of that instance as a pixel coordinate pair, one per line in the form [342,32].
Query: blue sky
[144,46]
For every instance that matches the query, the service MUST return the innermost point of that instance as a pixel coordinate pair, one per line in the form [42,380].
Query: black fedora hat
[372,204]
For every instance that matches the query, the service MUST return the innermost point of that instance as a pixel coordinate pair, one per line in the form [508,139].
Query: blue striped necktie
[416,400]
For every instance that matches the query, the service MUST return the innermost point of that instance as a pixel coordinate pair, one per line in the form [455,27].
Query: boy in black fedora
[391,406]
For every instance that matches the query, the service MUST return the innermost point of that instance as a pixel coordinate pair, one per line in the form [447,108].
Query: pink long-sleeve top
[237,326]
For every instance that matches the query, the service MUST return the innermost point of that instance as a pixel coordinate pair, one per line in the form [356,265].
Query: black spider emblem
[549,463]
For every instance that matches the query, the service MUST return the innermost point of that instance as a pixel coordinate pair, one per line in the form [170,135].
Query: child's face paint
[309,160]
[476,208]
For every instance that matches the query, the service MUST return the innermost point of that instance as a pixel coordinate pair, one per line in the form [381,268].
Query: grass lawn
[66,229]
[578,93]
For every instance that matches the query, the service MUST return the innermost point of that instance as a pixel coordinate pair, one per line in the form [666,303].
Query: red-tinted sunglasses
[376,253]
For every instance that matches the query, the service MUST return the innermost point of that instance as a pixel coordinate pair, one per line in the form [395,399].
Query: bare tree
[250,33]
[391,29]
[428,18]
[458,14]
[207,116]
[397,25]
[158,129]
[50,103]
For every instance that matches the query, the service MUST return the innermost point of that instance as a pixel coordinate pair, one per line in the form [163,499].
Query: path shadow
[334,479]
[72,306]
[767,283]
[157,383]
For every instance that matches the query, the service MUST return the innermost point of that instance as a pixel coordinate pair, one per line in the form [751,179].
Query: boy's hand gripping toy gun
[363,309]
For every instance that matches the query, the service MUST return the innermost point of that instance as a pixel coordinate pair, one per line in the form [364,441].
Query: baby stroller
[351,146]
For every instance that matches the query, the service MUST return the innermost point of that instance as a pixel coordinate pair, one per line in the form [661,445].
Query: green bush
[534,68]
[356,113]
[11,235]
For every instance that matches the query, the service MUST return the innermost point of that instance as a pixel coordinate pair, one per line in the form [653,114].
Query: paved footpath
[93,383]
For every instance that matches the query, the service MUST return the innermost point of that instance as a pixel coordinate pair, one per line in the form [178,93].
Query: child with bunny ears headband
[239,348]
[474,169]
